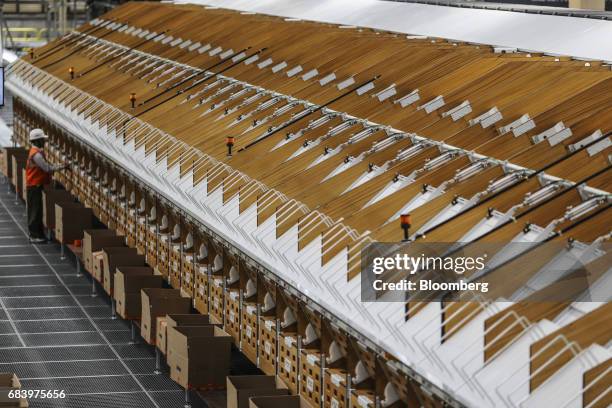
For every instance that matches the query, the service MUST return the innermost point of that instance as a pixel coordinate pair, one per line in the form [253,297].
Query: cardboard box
[286,401]
[187,274]
[199,357]
[335,394]
[249,333]
[242,387]
[129,281]
[232,314]
[151,235]
[201,289]
[178,320]
[98,265]
[9,381]
[115,257]
[160,340]
[267,344]
[362,398]
[599,5]
[18,162]
[96,239]
[174,265]
[288,361]
[71,219]
[2,161]
[7,162]
[50,198]
[217,295]
[311,379]
[159,302]
[24,193]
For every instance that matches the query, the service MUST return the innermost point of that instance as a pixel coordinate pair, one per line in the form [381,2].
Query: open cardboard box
[158,302]
[115,257]
[96,239]
[285,401]
[129,281]
[18,163]
[50,198]
[177,320]
[71,219]
[199,356]
[7,159]
[9,381]
[242,387]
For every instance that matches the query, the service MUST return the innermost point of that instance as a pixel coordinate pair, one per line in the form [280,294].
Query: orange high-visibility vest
[35,176]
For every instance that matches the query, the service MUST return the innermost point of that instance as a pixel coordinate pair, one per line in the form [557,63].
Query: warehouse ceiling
[338,130]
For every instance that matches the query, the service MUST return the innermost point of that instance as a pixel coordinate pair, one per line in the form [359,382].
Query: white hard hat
[36,134]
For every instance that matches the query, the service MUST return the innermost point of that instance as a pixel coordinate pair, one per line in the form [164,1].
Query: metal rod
[132,332]
[187,398]
[157,362]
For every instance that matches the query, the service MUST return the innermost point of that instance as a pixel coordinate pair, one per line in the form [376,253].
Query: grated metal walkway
[56,336]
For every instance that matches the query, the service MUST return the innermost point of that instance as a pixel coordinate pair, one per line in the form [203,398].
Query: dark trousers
[35,212]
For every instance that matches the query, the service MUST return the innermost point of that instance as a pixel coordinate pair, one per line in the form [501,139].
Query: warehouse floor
[55,336]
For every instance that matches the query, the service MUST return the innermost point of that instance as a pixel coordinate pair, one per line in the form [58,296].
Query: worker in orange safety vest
[38,174]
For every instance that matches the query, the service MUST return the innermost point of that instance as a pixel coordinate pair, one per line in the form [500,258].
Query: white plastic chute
[311,335]
[335,352]
[391,395]
[251,288]
[234,276]
[288,318]
[202,252]
[269,303]
[217,263]
[189,241]
[176,231]
[361,373]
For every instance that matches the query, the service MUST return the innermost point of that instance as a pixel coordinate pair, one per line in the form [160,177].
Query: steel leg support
[157,362]
[113,310]
[94,292]
[187,398]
